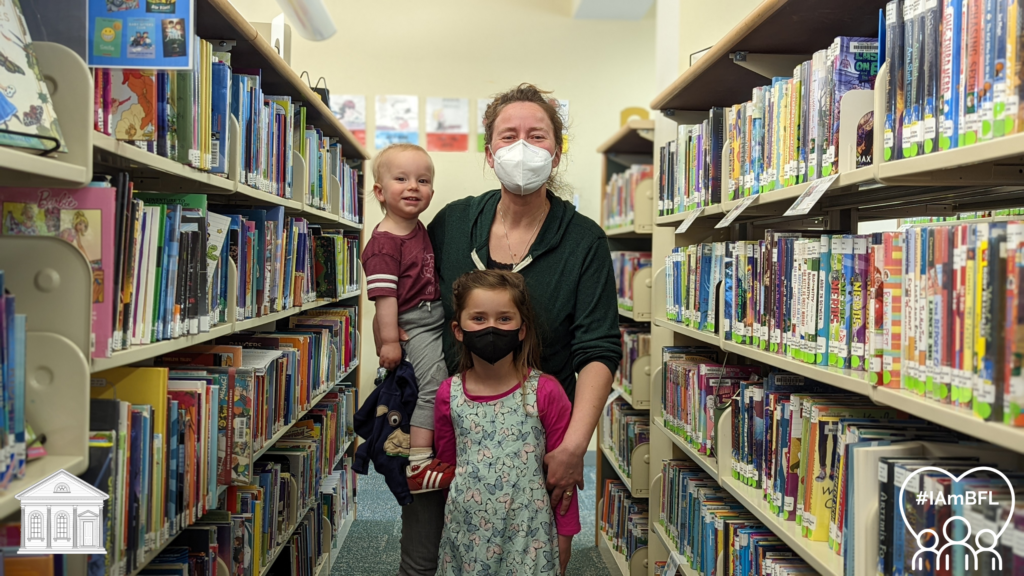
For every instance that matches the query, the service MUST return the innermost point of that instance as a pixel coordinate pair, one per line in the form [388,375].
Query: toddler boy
[399,265]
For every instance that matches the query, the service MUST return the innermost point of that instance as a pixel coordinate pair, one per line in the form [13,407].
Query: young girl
[495,420]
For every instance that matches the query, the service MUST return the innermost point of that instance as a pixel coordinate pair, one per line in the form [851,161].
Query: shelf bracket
[222,45]
[686,116]
[769,65]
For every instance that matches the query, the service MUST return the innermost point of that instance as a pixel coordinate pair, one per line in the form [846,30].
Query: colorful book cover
[83,217]
[856,66]
[839,344]
[988,400]
[824,301]
[1013,413]
[949,79]
[973,71]
[133,102]
[859,286]
[931,68]
[26,109]
[142,38]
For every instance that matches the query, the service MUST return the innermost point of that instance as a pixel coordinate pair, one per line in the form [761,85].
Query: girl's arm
[444,431]
[555,412]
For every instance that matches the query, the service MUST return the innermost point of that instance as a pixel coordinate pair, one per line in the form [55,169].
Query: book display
[803,369]
[187,270]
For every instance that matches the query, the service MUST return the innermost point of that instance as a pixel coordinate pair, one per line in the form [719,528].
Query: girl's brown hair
[526,92]
[528,354]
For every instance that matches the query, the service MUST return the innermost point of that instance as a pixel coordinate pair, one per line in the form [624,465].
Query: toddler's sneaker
[435,475]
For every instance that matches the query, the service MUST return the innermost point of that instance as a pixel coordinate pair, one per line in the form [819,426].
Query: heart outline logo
[977,537]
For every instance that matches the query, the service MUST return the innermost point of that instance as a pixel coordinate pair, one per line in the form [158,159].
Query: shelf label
[810,197]
[735,212]
[690,220]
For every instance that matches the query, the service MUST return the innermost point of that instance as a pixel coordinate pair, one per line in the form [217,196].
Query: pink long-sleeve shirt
[555,411]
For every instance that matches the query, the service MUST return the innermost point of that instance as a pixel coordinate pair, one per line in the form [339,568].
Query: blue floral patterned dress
[498,519]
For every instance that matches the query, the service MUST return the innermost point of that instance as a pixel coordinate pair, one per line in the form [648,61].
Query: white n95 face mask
[522,168]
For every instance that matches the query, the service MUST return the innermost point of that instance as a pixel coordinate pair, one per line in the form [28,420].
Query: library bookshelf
[632,144]
[985,176]
[53,282]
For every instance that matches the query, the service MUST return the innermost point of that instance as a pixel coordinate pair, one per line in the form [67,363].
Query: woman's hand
[564,552]
[564,475]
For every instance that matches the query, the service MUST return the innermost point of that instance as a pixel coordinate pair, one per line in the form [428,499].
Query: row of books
[933,309]
[195,421]
[787,134]
[623,519]
[710,529]
[636,343]
[697,390]
[961,216]
[813,454]
[13,445]
[626,264]
[161,262]
[624,429]
[228,541]
[953,78]
[691,272]
[620,195]
[184,115]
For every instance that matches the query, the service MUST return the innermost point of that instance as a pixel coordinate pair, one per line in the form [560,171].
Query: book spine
[949,82]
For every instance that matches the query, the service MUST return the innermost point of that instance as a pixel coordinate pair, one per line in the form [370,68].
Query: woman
[564,257]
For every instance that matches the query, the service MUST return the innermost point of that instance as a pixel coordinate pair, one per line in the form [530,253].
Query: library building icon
[61,514]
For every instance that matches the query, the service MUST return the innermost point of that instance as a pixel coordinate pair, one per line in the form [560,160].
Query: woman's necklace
[529,241]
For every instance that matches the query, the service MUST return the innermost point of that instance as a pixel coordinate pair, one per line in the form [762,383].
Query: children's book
[84,217]
[27,115]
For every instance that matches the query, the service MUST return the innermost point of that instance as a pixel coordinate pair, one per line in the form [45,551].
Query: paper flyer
[447,124]
[563,111]
[141,33]
[398,120]
[350,110]
[481,107]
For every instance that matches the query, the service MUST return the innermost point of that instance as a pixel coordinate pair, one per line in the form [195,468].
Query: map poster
[350,110]
[447,124]
[152,34]
[398,121]
[481,107]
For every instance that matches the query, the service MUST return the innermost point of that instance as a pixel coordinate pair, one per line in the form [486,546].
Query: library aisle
[811,215]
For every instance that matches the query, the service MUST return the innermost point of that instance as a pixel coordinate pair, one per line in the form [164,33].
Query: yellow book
[142,386]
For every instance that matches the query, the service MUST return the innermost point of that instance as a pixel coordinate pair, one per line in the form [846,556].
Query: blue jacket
[383,422]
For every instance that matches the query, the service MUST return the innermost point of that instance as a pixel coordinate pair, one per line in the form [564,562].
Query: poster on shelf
[350,110]
[398,121]
[155,34]
[447,124]
[562,106]
[481,107]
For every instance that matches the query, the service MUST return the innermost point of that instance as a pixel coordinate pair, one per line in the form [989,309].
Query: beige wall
[473,49]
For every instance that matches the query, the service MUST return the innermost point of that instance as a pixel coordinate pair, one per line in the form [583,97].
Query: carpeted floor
[372,547]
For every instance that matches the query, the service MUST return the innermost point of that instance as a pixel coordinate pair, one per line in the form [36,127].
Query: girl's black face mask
[491,344]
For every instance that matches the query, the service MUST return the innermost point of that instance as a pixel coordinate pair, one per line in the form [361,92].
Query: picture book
[27,113]
[84,218]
